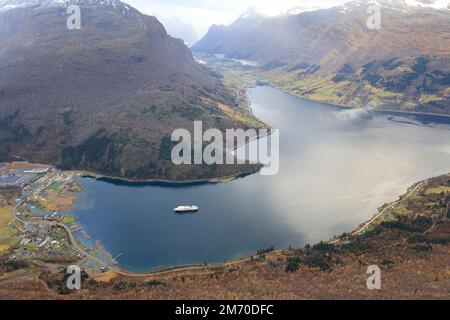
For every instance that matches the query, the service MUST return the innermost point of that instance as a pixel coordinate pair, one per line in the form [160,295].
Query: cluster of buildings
[16,178]
[39,236]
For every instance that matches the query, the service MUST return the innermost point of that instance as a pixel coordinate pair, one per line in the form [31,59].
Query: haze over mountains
[178,29]
[103,98]
[330,55]
[106,97]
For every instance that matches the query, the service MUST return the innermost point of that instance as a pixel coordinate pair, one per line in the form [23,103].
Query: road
[382,212]
[66,228]
[75,244]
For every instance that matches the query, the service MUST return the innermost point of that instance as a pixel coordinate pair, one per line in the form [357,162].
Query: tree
[293,264]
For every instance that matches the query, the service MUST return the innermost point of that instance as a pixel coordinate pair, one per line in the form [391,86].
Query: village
[36,219]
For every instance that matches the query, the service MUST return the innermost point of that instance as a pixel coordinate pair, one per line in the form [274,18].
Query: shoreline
[162,271]
[191,267]
[389,247]
[163,182]
[255,82]
[138,182]
[358,230]
[340,106]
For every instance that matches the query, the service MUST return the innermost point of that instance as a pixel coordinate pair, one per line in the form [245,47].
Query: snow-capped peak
[251,12]
[436,4]
[6,5]
[398,4]
[301,9]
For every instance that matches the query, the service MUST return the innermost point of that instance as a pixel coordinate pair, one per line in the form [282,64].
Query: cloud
[201,14]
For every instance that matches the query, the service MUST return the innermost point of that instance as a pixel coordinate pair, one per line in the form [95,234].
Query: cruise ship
[186,209]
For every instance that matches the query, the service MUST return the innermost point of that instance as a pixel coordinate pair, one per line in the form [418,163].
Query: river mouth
[337,166]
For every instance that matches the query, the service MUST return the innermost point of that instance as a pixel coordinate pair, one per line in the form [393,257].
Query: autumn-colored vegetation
[409,244]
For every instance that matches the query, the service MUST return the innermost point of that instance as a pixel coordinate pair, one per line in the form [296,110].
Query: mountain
[181,30]
[226,39]
[104,98]
[331,55]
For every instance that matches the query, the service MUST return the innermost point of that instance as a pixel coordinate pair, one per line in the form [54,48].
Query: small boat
[186,209]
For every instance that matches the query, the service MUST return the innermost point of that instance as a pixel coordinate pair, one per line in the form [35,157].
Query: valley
[412,234]
[359,141]
[331,56]
[405,236]
[130,86]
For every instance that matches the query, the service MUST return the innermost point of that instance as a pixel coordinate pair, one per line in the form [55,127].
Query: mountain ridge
[330,55]
[105,98]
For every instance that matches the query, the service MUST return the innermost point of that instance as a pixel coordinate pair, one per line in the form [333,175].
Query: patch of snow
[6,5]
[437,4]
[398,4]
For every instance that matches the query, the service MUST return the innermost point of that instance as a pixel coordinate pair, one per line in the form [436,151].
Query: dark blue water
[337,167]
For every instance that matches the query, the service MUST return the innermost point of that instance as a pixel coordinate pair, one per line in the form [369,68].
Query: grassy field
[7,239]
[438,190]
[55,185]
[68,219]
[5,219]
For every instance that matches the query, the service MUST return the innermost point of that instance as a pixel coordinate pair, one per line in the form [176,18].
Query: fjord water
[337,167]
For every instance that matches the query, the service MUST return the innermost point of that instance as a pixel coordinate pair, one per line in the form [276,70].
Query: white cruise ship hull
[186,209]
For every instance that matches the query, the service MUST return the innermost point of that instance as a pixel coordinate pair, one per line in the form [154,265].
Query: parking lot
[17,177]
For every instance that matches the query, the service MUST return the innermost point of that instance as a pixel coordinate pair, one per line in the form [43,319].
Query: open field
[7,232]
[22,164]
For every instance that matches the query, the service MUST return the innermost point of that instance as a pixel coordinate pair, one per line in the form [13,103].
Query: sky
[201,14]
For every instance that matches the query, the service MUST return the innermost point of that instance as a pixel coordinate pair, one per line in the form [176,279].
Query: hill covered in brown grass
[409,243]
[104,98]
[332,56]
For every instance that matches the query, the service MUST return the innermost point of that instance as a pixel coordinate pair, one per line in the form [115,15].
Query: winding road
[72,239]
[382,212]
[117,270]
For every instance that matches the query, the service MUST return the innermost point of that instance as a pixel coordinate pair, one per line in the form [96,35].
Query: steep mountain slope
[330,55]
[229,39]
[179,29]
[103,98]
